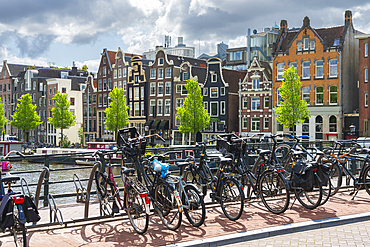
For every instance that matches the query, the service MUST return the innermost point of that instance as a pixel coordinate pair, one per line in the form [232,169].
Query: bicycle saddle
[262,152]
[10,178]
[127,171]
[226,160]
[181,164]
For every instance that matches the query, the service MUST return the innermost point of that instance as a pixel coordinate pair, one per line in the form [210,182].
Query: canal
[55,175]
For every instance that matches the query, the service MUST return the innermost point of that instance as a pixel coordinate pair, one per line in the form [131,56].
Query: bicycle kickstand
[295,198]
[355,192]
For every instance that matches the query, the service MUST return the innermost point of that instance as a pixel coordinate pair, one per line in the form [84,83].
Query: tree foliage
[2,115]
[25,116]
[84,67]
[62,117]
[192,115]
[292,110]
[116,115]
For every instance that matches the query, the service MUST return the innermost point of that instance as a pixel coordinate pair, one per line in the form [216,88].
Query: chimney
[283,25]
[74,69]
[348,17]
[180,40]
[306,22]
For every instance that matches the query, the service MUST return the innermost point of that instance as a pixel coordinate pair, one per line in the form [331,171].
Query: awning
[155,124]
[164,125]
[149,123]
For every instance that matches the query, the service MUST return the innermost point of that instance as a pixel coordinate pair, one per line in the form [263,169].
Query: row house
[221,98]
[8,75]
[256,99]
[90,106]
[161,84]
[326,59]
[186,71]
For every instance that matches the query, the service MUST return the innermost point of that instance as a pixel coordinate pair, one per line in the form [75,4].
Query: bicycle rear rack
[80,190]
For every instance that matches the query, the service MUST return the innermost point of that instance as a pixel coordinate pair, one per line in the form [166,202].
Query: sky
[44,32]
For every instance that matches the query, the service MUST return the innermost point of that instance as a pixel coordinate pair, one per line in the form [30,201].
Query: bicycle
[338,165]
[161,191]
[266,182]
[135,200]
[285,155]
[13,202]
[225,189]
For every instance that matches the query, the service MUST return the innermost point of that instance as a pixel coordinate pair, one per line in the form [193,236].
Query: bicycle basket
[225,144]
[125,134]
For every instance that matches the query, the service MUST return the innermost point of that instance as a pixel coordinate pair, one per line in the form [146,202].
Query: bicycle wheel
[367,178]
[136,211]
[273,192]
[194,207]
[232,198]
[282,152]
[105,192]
[168,206]
[335,177]
[326,192]
[193,177]
[19,233]
[310,199]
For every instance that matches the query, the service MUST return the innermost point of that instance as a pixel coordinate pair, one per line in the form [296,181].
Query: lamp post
[352,128]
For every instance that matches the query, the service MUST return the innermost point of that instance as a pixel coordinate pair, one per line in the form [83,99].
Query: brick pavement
[120,233]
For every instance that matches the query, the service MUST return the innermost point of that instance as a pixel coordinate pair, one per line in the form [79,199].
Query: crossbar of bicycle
[84,195]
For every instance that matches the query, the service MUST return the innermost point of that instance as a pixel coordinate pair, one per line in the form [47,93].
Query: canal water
[64,175]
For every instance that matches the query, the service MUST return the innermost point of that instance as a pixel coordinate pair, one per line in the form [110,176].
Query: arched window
[318,127]
[333,124]
[306,127]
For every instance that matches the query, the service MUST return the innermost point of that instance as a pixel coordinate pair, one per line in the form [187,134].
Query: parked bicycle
[225,189]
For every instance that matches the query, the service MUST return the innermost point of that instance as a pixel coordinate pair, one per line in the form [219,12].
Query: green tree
[62,118]
[25,116]
[292,110]
[116,115]
[3,118]
[84,67]
[192,115]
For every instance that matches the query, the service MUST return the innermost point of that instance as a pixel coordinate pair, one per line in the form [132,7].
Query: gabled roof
[267,71]
[177,60]
[111,55]
[232,78]
[15,69]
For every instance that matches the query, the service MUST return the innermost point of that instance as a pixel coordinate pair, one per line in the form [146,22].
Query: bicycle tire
[136,211]
[232,198]
[196,210]
[196,179]
[283,155]
[274,192]
[19,233]
[335,176]
[366,178]
[326,192]
[168,206]
[105,192]
[310,199]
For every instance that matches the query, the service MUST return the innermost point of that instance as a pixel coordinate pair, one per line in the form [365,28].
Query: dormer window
[160,61]
[214,78]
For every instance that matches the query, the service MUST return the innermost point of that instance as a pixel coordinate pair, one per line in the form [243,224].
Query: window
[105,97]
[214,92]
[318,127]
[33,88]
[168,88]
[306,94]
[366,50]
[306,43]
[168,72]
[142,92]
[205,104]
[306,70]
[255,124]
[142,109]
[167,107]
[179,102]
[55,89]
[245,122]
[306,127]
[333,124]
[160,73]
[205,91]
[333,69]
[214,109]
[105,84]
[255,104]
[115,74]
[266,102]
[299,46]
[120,73]
[366,73]
[280,71]
[137,79]
[366,100]
[72,101]
[63,75]
[136,93]
[104,71]
[4,74]
[256,84]
[152,88]
[64,90]
[160,107]
[236,55]
[222,91]
[184,90]
[131,111]
[245,103]
[130,93]
[178,88]
[223,108]
[319,69]
[266,123]
[279,99]
[160,61]
[186,76]
[137,109]
[214,78]
[294,64]
[312,45]
[152,73]
[124,72]
[152,107]
[100,100]
[333,95]
[160,88]
[319,95]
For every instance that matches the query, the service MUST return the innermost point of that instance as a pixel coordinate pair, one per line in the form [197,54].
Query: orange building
[326,59]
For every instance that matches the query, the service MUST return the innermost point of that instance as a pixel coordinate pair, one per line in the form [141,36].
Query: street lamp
[352,128]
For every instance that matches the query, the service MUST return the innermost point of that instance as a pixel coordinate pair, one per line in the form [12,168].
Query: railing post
[46,184]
